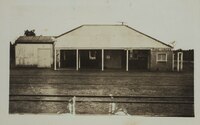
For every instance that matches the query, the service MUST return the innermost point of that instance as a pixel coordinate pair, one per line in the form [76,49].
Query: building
[111,47]
[96,47]
[34,51]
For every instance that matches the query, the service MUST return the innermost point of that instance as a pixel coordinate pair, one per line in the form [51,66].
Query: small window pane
[162,57]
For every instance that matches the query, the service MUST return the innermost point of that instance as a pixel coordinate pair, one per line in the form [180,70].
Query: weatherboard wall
[155,65]
[34,55]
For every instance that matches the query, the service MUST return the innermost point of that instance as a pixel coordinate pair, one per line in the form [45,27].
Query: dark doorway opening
[115,59]
[139,59]
[68,59]
[90,59]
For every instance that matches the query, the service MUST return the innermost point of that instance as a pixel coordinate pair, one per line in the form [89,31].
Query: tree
[29,33]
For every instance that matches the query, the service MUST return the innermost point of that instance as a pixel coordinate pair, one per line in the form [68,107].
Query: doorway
[139,59]
[90,59]
[115,59]
[68,59]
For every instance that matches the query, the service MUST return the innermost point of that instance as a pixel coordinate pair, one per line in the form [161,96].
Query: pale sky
[166,20]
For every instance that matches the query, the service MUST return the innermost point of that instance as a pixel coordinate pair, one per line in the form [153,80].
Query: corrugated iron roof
[107,36]
[35,39]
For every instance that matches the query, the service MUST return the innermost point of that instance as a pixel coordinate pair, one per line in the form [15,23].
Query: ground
[138,93]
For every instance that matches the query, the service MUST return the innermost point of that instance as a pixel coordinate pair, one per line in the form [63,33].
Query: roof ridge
[36,36]
[103,25]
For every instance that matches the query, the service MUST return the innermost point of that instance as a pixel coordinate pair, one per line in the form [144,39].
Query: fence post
[178,61]
[70,106]
[55,58]
[112,105]
[74,103]
[181,67]
[173,61]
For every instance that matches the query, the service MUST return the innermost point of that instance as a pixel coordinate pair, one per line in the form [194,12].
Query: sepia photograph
[100,69]
[73,58]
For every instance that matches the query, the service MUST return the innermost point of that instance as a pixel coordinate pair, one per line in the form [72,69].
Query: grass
[97,83]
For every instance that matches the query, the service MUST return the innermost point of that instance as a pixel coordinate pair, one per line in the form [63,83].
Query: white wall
[27,54]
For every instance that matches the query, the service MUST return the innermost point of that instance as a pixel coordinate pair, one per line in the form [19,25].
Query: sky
[166,20]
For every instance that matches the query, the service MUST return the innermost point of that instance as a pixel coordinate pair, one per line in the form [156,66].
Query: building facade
[111,47]
[101,47]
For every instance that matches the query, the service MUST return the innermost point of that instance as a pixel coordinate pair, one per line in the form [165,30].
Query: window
[162,57]
[92,55]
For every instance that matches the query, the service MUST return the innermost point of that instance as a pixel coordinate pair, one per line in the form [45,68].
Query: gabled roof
[35,39]
[107,36]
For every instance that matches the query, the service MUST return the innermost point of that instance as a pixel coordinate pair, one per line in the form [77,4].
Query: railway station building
[100,47]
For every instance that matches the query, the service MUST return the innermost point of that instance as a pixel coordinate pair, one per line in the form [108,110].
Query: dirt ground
[139,93]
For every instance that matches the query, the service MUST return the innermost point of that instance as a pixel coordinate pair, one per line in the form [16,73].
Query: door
[44,58]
